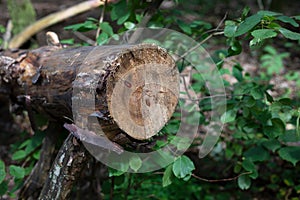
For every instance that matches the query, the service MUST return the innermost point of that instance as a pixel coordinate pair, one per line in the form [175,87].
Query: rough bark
[133,88]
[69,162]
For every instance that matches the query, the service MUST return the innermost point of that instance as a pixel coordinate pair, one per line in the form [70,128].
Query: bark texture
[107,89]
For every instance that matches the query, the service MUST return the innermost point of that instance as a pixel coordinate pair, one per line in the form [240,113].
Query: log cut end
[142,90]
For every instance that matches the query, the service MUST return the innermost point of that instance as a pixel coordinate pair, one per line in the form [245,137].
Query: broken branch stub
[106,88]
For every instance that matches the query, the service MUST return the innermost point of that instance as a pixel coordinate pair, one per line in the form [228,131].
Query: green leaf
[129,25]
[114,172]
[291,154]
[235,47]
[287,19]
[135,163]
[230,28]
[183,167]
[119,10]
[244,182]
[248,24]
[276,129]
[272,144]
[228,116]
[297,17]
[168,175]
[19,155]
[67,41]
[269,97]
[123,19]
[237,72]
[106,27]
[184,27]
[2,171]
[248,165]
[102,38]
[257,93]
[261,34]
[3,188]
[82,27]
[257,154]
[268,13]
[289,34]
[16,171]
[245,12]
[249,101]
[34,142]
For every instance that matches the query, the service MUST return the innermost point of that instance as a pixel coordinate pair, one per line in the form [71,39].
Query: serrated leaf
[183,167]
[135,163]
[2,171]
[248,24]
[16,171]
[287,19]
[289,34]
[167,177]
[291,154]
[244,182]
[129,25]
[228,116]
[257,154]
[106,27]
[19,155]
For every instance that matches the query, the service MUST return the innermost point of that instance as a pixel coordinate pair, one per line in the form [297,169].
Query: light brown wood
[131,88]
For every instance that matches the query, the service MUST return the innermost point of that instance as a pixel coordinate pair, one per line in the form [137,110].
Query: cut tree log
[107,89]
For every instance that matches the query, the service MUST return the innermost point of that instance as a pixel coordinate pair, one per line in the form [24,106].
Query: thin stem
[220,180]
[198,45]
[100,21]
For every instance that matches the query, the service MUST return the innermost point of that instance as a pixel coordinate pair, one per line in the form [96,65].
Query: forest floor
[213,13]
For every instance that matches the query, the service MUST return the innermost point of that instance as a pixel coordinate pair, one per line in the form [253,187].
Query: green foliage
[21,13]
[260,139]
[135,163]
[24,154]
[261,26]
[2,171]
[272,60]
[183,167]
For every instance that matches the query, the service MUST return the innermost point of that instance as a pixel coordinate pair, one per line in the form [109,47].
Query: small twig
[51,19]
[220,180]
[84,38]
[260,4]
[198,45]
[147,16]
[215,29]
[7,35]
[100,21]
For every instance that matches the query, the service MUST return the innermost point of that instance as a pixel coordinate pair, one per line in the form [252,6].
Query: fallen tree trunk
[107,90]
